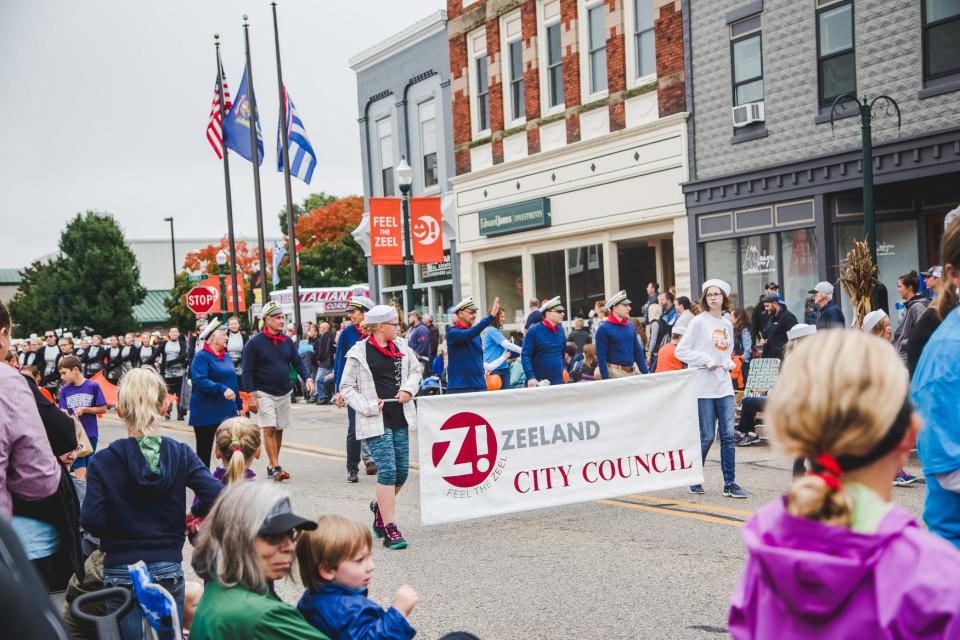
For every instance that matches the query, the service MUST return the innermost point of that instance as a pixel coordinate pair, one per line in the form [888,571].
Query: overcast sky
[105,106]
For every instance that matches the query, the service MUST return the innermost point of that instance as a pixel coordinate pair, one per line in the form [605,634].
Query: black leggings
[749,409]
[174,387]
[205,442]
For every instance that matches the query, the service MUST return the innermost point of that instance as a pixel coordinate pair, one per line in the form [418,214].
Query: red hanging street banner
[386,237]
[426,224]
[213,284]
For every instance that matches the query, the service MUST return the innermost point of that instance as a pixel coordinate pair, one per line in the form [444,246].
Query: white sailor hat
[361,302]
[270,309]
[553,304]
[465,304]
[379,314]
[209,329]
[801,330]
[620,297]
[717,282]
[872,319]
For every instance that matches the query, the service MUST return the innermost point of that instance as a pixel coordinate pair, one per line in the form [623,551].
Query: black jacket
[141,356]
[830,317]
[776,333]
[183,358]
[323,347]
[41,364]
[434,339]
[113,363]
[94,359]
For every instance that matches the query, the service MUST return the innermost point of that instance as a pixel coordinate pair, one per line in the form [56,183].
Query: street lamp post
[404,174]
[221,263]
[173,250]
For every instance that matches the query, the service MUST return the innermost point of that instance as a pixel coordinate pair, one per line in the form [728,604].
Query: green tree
[176,304]
[96,276]
[311,202]
[328,264]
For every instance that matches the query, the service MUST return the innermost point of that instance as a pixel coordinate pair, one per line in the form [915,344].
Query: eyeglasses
[276,539]
[472,312]
[392,324]
[714,295]
[49,335]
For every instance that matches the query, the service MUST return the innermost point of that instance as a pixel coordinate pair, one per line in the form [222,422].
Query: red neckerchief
[460,325]
[612,318]
[363,336]
[547,324]
[276,339]
[391,350]
[218,356]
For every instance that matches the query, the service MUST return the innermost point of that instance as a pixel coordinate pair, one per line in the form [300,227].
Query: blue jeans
[719,413]
[321,393]
[391,453]
[168,575]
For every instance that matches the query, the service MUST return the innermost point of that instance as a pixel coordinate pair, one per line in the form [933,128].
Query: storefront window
[759,259]
[720,261]
[393,276]
[548,276]
[798,250]
[504,278]
[442,301]
[585,270]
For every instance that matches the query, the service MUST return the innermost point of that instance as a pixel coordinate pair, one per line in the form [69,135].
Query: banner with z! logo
[484,454]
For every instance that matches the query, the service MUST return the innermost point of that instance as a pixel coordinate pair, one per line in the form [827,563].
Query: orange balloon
[566,377]
[494,382]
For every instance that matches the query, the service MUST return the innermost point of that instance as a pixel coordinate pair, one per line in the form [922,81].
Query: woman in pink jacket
[835,558]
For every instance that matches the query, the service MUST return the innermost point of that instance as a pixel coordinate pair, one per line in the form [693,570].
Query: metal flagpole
[254,121]
[226,181]
[291,231]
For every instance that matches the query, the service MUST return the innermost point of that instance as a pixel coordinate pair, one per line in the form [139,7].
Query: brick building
[569,137]
[776,196]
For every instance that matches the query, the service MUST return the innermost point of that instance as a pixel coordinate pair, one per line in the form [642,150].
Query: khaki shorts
[274,411]
[616,372]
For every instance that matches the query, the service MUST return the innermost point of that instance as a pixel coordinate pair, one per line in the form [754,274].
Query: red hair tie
[830,473]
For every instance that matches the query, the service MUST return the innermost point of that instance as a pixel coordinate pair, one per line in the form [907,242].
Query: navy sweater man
[267,359]
[465,347]
[618,346]
[351,335]
[829,315]
[542,353]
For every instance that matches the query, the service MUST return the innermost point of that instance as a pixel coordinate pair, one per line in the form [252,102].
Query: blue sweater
[211,377]
[266,366]
[348,614]
[618,344]
[348,337]
[465,357]
[139,514]
[830,317]
[542,354]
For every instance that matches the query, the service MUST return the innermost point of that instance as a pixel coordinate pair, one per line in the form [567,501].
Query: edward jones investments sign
[484,454]
[532,214]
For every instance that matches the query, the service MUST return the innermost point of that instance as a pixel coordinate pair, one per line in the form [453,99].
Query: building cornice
[417,32]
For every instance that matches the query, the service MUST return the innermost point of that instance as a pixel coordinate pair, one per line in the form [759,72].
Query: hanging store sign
[386,236]
[426,226]
[521,216]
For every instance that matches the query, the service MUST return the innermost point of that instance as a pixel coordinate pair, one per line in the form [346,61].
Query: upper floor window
[835,55]
[644,40]
[385,147]
[551,57]
[596,47]
[747,61]
[479,82]
[513,69]
[428,143]
[941,38]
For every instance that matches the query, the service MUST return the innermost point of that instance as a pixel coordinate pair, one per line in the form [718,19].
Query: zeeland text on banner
[485,454]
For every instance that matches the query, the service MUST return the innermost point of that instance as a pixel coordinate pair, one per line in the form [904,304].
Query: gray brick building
[778,198]
[403,102]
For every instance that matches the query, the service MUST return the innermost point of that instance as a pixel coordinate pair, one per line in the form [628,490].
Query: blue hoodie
[348,614]
[139,514]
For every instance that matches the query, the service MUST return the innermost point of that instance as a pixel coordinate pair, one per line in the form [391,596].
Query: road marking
[671,512]
[692,505]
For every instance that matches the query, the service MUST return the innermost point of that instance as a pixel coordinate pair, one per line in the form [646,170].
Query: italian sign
[485,454]
[385,232]
[425,227]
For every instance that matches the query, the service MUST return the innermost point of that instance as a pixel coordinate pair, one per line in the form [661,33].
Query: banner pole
[226,181]
[255,120]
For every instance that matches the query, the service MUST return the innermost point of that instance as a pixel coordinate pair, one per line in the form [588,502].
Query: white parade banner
[485,454]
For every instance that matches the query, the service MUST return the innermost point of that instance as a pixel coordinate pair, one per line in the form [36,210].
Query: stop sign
[201,299]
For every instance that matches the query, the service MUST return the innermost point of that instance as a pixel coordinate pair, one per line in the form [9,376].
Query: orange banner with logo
[213,283]
[426,223]
[386,235]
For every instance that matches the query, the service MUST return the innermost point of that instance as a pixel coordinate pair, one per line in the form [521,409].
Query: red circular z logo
[467,457]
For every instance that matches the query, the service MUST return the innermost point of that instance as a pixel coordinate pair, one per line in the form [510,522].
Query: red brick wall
[531,72]
[671,92]
[461,101]
[616,66]
[495,75]
[571,67]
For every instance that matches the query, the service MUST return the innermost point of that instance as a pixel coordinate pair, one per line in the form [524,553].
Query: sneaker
[181,417]
[903,479]
[392,538]
[697,490]
[733,490]
[377,520]
[277,474]
[352,476]
[371,468]
[748,439]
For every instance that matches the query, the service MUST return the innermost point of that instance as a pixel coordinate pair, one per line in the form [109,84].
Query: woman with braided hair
[835,558]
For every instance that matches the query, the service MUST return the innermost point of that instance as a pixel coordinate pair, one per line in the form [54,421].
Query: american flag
[214,130]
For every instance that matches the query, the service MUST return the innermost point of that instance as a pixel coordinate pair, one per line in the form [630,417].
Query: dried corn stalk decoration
[859,279]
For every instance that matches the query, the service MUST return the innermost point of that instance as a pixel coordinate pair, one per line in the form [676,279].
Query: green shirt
[239,614]
[868,508]
[150,447]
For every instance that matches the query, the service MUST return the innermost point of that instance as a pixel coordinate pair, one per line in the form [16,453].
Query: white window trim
[629,20]
[583,9]
[505,68]
[542,25]
[376,128]
[472,56]
[437,125]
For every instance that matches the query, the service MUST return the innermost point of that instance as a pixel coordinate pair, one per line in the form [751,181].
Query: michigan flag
[236,126]
[302,158]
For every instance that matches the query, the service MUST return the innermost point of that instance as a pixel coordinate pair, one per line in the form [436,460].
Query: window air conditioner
[745,114]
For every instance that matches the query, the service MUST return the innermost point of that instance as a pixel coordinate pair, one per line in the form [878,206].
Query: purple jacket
[806,579]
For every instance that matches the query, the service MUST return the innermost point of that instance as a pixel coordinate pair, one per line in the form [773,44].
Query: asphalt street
[661,565]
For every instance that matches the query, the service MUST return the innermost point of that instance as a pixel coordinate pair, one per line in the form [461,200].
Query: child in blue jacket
[336,569]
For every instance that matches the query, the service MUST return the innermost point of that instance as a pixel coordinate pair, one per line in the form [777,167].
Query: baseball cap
[936,271]
[822,287]
[282,519]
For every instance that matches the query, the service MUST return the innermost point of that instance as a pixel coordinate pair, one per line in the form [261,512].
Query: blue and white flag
[236,126]
[279,251]
[302,158]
